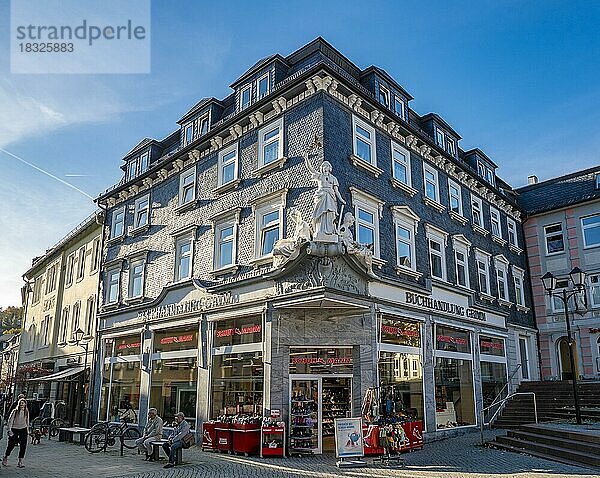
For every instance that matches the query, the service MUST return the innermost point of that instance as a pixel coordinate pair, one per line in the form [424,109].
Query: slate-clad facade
[198,316]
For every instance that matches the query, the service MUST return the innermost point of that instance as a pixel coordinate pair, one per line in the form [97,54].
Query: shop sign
[400,332]
[250,329]
[348,437]
[452,340]
[188,306]
[321,360]
[443,306]
[177,339]
[134,345]
[490,346]
[594,330]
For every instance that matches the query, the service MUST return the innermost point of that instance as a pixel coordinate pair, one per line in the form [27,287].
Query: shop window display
[493,380]
[237,384]
[245,330]
[400,386]
[454,399]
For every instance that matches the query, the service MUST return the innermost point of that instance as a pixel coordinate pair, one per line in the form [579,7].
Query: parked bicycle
[106,434]
[51,418]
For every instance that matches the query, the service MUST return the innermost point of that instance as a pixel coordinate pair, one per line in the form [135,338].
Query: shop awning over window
[62,376]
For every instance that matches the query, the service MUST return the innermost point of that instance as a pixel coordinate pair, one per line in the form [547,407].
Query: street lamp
[578,280]
[77,340]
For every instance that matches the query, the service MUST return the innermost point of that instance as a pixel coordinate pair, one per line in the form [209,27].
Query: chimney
[533,179]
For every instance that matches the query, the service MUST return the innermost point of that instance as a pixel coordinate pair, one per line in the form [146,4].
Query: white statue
[325,202]
[288,249]
[363,253]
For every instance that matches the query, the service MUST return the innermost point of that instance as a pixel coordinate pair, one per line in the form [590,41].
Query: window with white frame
[405,224]
[363,137]
[590,227]
[132,169]
[225,244]
[30,344]
[70,269]
[557,303]
[399,107]
[90,313]
[269,228]
[450,146]
[112,285]
[481,169]
[595,290]
[64,326]
[187,186]
[437,253]
[245,97]
[44,331]
[518,275]
[270,143]
[597,180]
[477,210]
[502,278]
[203,125]
[455,194]
[136,278]
[189,133]
[553,235]
[401,164]
[228,164]
[483,272]
[118,223]
[51,279]
[96,254]
[512,232]
[384,96]
[81,263]
[489,175]
[37,288]
[263,86]
[142,212]
[432,189]
[495,222]
[439,138]
[184,246]
[461,261]
[75,318]
[144,162]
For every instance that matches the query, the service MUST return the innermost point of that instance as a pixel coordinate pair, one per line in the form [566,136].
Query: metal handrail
[482,424]
[507,384]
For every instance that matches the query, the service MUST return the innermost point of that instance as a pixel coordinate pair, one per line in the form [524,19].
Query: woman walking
[18,429]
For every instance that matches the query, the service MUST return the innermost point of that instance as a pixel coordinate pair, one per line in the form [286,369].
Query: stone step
[556,440]
[504,446]
[551,451]
[583,436]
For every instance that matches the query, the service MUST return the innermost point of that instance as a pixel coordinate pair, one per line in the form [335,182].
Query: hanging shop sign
[348,438]
[188,306]
[443,306]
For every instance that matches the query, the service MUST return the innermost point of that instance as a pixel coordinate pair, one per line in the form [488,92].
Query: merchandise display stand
[272,441]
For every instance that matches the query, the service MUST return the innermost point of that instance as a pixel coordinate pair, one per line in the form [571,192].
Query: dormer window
[439,138]
[450,146]
[384,96]
[263,86]
[132,169]
[597,180]
[144,162]
[203,125]
[245,97]
[489,174]
[189,133]
[399,107]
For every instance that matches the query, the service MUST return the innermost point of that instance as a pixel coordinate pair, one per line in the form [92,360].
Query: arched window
[31,338]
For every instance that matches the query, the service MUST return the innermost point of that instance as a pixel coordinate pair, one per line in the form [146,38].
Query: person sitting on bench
[182,428]
[152,432]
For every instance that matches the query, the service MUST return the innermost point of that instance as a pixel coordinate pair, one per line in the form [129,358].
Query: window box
[227,186]
[458,218]
[361,163]
[401,270]
[278,163]
[403,187]
[499,240]
[480,230]
[434,204]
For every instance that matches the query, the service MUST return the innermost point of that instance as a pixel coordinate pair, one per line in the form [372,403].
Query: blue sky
[518,79]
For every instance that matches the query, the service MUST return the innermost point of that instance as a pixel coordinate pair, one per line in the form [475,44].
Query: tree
[11,319]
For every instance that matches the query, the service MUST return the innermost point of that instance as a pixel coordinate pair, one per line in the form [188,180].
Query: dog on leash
[36,436]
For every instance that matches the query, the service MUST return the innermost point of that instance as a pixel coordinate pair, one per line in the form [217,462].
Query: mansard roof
[441,121]
[257,66]
[138,147]
[203,103]
[481,154]
[386,76]
[563,191]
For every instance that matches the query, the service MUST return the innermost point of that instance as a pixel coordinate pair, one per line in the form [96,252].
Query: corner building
[235,282]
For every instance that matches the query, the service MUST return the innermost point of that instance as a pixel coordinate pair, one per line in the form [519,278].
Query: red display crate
[371,441]
[223,436]
[414,434]
[246,439]
[209,436]
[277,451]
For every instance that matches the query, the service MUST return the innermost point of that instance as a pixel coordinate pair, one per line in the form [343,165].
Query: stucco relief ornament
[289,249]
[363,253]
[325,211]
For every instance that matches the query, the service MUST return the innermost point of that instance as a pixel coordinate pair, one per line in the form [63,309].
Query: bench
[157,446]
[73,435]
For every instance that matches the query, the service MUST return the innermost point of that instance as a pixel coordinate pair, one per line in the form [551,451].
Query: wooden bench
[73,435]
[157,446]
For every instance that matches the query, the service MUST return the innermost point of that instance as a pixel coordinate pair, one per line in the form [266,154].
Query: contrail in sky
[46,173]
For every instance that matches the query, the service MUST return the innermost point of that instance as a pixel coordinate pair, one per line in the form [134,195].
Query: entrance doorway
[315,402]
[564,360]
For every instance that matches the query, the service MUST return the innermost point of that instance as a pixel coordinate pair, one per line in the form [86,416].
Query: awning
[62,376]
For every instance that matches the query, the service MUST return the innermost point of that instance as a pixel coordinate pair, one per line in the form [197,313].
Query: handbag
[188,440]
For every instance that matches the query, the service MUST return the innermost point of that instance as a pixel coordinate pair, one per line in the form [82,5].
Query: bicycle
[105,434]
[49,426]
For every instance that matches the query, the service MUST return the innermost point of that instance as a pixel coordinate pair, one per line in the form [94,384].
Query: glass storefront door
[335,403]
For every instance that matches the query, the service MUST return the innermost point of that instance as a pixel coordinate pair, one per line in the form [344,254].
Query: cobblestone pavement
[457,457]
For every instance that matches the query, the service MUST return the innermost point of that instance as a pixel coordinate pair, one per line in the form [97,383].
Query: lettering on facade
[251,329]
[188,306]
[322,361]
[443,306]
[177,339]
[134,345]
[390,329]
[452,340]
[491,345]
